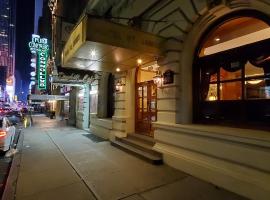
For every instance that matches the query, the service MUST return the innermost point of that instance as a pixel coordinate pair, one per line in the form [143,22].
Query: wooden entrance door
[146,107]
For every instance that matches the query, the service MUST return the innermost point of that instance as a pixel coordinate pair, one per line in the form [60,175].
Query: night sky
[25,16]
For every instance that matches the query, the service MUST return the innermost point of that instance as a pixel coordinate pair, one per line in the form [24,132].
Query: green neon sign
[40,47]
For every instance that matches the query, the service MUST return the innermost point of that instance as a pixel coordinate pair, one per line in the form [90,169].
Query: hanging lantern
[158,79]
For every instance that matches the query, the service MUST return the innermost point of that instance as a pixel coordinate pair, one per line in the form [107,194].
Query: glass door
[146,107]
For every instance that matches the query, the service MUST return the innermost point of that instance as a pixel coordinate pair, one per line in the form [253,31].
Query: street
[6,161]
[60,162]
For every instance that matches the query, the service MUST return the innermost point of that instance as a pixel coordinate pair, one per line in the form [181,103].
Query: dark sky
[25,16]
[38,12]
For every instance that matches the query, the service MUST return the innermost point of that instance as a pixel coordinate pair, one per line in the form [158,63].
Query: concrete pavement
[60,162]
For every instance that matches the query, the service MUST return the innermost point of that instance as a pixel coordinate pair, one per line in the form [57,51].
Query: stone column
[72,107]
[103,95]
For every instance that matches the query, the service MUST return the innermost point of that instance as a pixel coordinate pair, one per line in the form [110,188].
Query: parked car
[3,111]
[7,134]
[14,116]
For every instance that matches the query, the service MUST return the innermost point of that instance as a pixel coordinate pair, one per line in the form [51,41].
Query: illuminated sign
[40,47]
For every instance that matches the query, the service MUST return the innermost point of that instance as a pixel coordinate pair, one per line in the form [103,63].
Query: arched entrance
[232,73]
[145,100]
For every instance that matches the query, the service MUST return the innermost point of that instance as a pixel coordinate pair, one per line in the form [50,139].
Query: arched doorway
[232,73]
[145,100]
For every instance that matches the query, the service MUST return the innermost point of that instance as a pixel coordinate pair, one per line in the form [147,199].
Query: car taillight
[3,133]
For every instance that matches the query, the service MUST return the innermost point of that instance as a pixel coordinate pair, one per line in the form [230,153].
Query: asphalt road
[6,162]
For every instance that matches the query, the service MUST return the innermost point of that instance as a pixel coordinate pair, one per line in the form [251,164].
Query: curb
[10,188]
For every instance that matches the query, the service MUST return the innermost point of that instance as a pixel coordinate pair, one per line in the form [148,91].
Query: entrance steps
[140,146]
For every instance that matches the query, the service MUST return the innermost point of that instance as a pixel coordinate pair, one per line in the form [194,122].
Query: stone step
[143,138]
[139,144]
[152,158]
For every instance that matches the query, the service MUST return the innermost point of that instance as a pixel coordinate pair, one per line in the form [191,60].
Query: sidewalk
[60,162]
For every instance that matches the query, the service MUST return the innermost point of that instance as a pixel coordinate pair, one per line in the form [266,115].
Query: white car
[7,134]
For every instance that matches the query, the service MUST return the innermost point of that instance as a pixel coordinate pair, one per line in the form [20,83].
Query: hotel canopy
[100,45]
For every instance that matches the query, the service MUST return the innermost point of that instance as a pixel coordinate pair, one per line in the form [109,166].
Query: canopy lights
[139,61]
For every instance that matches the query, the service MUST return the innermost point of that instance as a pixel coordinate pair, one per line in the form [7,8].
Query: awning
[72,77]
[101,45]
[45,97]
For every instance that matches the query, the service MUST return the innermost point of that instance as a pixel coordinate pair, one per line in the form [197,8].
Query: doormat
[95,138]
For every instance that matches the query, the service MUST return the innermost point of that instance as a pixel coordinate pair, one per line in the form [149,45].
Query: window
[245,82]
[232,76]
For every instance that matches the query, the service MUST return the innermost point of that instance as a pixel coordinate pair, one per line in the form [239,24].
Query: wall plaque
[168,77]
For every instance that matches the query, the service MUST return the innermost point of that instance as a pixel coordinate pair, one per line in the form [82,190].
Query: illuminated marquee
[40,47]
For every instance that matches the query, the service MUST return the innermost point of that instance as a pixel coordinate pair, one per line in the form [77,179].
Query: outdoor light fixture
[217,39]
[119,86]
[33,73]
[139,61]
[33,65]
[118,69]
[158,79]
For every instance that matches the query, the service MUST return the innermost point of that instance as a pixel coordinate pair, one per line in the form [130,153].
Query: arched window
[234,68]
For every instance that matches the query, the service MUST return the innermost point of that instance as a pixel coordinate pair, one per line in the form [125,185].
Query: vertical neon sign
[40,47]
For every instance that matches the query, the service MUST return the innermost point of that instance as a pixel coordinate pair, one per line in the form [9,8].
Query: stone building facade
[234,158]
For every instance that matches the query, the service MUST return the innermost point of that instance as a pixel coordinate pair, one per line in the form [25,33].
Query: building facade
[7,47]
[192,75]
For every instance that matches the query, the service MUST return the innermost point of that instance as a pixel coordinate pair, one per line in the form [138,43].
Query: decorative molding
[194,7]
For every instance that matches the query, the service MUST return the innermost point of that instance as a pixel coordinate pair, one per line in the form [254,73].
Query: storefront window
[257,89]
[213,77]
[234,76]
[212,93]
[251,70]
[227,75]
[231,90]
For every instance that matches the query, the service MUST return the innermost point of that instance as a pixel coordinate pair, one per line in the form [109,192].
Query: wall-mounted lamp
[119,86]
[158,79]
